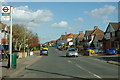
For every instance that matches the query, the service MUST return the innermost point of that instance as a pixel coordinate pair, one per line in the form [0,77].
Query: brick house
[112,36]
[93,38]
[80,38]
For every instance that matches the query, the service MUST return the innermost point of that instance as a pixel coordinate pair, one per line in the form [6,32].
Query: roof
[75,35]
[67,36]
[97,32]
[89,32]
[100,36]
[58,39]
[115,25]
[80,37]
[2,26]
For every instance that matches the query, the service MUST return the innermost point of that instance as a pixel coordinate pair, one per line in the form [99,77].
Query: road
[57,65]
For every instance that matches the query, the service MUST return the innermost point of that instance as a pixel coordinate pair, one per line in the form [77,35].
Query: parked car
[44,52]
[111,51]
[62,48]
[98,50]
[45,47]
[6,48]
[54,45]
[91,49]
[72,52]
[2,54]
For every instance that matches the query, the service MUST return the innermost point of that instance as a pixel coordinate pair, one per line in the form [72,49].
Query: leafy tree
[19,32]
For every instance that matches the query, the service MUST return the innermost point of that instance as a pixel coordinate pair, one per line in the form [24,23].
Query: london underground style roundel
[5,9]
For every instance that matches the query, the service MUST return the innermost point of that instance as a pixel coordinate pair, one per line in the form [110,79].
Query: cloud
[22,15]
[79,19]
[75,28]
[62,24]
[3,2]
[103,13]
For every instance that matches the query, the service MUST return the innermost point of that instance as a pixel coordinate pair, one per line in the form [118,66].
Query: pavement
[21,65]
[111,59]
[57,65]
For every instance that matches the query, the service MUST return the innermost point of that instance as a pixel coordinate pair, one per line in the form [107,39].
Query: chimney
[81,32]
[95,27]
[65,33]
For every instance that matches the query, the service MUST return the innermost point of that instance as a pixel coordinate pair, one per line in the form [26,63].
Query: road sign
[5,18]
[5,9]
[5,13]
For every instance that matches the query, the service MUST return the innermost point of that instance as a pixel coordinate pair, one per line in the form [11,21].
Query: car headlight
[76,53]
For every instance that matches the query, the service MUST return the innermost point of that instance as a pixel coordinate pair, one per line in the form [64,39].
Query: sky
[50,20]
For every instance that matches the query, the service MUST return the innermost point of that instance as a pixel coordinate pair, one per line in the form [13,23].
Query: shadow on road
[5,67]
[116,59]
[78,78]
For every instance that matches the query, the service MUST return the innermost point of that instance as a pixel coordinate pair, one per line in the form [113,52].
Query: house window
[107,36]
[119,29]
[113,34]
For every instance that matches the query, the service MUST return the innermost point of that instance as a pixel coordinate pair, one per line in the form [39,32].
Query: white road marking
[69,61]
[85,69]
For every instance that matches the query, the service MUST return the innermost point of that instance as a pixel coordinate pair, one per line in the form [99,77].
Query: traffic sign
[5,18]
[5,9]
[5,13]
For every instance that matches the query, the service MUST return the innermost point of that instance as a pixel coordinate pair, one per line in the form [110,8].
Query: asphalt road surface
[57,65]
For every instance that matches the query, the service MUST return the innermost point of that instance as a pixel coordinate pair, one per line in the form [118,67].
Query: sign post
[7,16]
[5,13]
[10,44]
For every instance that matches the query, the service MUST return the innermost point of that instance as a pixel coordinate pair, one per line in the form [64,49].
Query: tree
[18,36]
[33,41]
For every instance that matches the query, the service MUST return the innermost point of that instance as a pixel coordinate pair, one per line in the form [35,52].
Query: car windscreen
[6,47]
[71,50]
[44,50]
[111,49]
[45,47]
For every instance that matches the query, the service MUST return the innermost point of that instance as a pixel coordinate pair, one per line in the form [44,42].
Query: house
[94,38]
[112,36]
[66,39]
[58,41]
[4,34]
[79,39]
[75,39]
[86,38]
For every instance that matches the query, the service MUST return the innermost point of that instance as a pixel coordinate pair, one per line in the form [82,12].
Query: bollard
[14,58]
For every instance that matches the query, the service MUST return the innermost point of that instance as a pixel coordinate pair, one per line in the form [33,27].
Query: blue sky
[53,19]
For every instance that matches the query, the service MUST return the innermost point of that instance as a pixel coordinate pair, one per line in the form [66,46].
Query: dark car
[111,51]
[2,54]
[44,52]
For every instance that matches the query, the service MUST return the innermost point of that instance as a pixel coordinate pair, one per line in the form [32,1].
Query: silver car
[72,52]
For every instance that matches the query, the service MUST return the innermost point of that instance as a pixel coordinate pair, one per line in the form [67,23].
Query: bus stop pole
[10,42]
